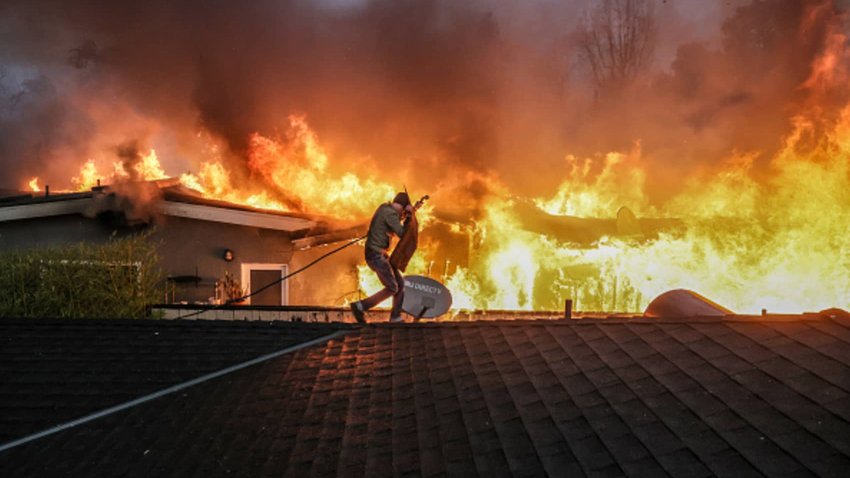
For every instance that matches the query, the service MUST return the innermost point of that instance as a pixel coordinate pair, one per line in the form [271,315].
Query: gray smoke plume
[425,89]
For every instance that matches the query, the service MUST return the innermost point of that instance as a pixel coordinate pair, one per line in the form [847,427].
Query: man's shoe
[358,312]
[395,320]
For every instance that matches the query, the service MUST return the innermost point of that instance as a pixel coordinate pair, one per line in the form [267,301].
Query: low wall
[230,312]
[299,313]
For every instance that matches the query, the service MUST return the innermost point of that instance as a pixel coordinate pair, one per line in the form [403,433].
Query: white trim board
[44,209]
[235,216]
[169,208]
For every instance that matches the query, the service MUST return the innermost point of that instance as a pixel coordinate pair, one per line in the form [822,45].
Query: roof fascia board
[234,216]
[169,208]
[46,209]
[329,238]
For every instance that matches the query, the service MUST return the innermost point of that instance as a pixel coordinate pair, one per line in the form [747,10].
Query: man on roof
[385,223]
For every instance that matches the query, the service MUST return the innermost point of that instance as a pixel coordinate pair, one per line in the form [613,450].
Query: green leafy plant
[118,279]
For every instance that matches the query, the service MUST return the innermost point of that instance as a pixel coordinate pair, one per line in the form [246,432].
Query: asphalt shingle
[57,370]
[534,398]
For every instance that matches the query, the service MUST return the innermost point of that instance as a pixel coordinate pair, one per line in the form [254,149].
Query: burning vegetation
[721,165]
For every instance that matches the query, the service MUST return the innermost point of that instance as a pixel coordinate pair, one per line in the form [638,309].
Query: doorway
[255,276]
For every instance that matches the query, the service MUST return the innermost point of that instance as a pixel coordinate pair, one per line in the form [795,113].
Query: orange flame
[214,182]
[780,245]
[87,177]
[298,169]
[748,243]
[147,168]
[296,175]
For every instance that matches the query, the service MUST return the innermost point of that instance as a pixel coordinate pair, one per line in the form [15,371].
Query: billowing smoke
[414,91]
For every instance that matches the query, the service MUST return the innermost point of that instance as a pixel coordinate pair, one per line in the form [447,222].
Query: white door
[257,276]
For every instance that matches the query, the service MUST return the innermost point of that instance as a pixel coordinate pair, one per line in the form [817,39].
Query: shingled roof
[53,371]
[734,397]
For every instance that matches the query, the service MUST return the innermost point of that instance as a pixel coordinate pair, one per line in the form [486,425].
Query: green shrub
[118,279]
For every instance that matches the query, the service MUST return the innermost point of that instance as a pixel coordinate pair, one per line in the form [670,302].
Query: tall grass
[118,279]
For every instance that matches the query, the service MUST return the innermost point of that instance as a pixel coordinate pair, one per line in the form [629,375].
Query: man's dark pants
[390,277]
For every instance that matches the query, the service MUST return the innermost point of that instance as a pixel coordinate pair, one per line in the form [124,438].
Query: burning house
[202,242]
[715,159]
[678,168]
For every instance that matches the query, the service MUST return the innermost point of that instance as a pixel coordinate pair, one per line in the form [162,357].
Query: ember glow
[720,166]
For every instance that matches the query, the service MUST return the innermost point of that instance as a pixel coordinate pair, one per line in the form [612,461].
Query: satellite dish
[425,298]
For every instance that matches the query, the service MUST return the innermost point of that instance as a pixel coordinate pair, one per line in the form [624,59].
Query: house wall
[52,231]
[190,247]
[331,282]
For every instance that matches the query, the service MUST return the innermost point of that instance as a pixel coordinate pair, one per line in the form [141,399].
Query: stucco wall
[52,231]
[190,247]
[331,282]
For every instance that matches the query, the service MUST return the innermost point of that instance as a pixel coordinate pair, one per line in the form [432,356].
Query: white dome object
[683,303]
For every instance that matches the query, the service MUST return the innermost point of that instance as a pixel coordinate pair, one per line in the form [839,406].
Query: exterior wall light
[228,255]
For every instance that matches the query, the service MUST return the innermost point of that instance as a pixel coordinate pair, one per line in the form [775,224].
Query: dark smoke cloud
[427,90]
[37,127]
[131,154]
[738,93]
[84,55]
